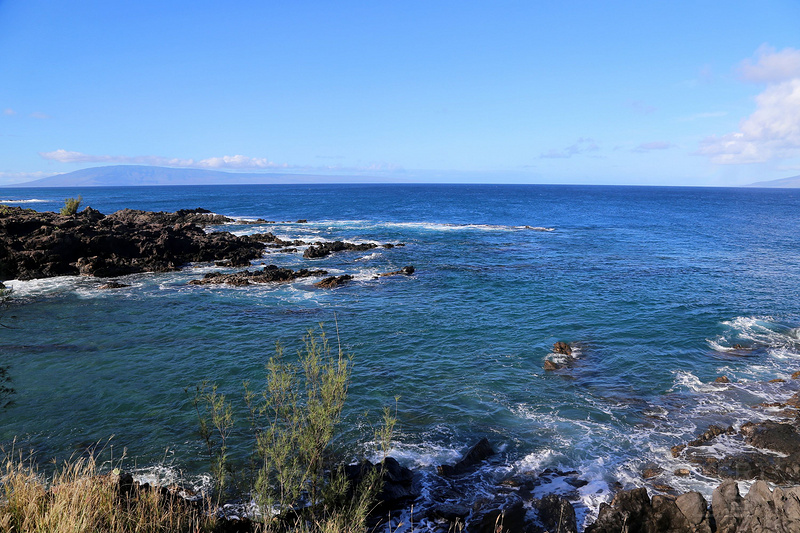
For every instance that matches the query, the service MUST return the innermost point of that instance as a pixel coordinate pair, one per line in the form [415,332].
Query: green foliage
[71,206]
[215,416]
[294,420]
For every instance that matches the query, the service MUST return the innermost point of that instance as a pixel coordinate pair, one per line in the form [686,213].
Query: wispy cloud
[236,162]
[772,131]
[771,66]
[581,146]
[655,145]
[39,115]
[9,112]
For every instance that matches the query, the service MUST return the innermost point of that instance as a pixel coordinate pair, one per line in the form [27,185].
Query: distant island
[783,183]
[133,175]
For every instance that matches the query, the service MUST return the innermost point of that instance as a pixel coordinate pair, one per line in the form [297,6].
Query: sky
[617,92]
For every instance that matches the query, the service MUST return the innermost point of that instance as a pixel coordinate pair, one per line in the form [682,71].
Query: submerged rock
[113,285]
[405,271]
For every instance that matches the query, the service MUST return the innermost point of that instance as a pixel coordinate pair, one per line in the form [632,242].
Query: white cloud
[582,145]
[771,66]
[771,132]
[39,115]
[655,145]
[237,162]
[8,111]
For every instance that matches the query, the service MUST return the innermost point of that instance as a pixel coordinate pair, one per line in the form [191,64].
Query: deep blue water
[654,285]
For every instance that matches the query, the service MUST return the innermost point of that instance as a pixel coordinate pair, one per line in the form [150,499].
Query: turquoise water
[655,285]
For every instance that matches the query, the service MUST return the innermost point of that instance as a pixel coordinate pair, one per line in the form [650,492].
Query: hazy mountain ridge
[784,183]
[133,175]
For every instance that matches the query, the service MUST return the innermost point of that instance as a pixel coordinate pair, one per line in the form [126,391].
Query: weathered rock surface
[398,488]
[762,510]
[562,348]
[761,462]
[556,514]
[39,245]
[324,249]
[477,454]
[269,274]
[334,281]
[634,511]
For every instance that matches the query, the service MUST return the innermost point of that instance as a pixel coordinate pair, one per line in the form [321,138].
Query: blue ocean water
[654,286]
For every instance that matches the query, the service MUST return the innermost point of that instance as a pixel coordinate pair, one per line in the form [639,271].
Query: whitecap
[27,201]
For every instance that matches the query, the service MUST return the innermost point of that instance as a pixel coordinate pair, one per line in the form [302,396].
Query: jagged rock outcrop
[324,249]
[634,511]
[397,482]
[39,245]
[269,274]
[334,281]
[477,454]
[762,510]
[759,462]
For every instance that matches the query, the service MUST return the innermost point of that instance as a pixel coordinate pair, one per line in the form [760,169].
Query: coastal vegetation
[71,206]
[293,477]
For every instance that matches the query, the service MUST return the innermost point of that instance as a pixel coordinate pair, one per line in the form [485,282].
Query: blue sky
[651,93]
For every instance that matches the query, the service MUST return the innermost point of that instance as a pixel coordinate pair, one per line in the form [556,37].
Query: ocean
[653,286]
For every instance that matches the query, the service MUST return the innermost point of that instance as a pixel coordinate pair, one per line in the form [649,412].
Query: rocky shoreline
[38,245]
[45,244]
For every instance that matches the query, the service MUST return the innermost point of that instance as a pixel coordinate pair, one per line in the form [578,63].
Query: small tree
[71,206]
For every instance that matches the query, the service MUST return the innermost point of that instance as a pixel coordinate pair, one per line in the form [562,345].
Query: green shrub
[71,206]
[294,420]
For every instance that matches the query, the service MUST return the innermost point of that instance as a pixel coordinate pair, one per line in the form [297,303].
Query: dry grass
[79,499]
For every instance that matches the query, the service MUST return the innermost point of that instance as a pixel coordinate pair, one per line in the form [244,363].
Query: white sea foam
[25,201]
[43,286]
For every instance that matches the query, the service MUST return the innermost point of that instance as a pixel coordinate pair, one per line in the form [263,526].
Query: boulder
[556,514]
[477,454]
[324,249]
[397,487]
[562,348]
[334,281]
[633,511]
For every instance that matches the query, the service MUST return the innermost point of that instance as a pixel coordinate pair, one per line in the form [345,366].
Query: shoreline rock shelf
[44,244]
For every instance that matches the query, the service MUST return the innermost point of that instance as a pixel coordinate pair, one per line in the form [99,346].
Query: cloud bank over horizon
[229,162]
[772,131]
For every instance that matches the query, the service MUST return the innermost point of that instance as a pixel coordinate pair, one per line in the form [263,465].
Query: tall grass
[78,499]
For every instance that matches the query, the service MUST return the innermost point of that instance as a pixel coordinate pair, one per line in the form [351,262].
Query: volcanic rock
[39,245]
[405,271]
[270,274]
[334,281]
[478,453]
[324,249]
[562,348]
